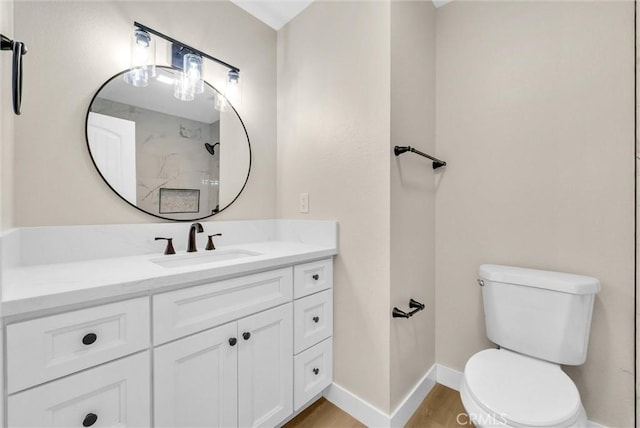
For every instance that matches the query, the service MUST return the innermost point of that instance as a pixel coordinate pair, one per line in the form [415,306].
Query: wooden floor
[439,410]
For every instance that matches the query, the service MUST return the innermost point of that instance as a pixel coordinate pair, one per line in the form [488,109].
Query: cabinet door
[265,367]
[196,380]
[112,395]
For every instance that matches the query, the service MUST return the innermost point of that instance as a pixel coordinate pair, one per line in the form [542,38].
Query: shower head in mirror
[210,148]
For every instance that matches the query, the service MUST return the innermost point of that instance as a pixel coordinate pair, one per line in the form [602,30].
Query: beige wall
[6,147]
[333,142]
[637,226]
[412,347]
[73,48]
[535,118]
[6,121]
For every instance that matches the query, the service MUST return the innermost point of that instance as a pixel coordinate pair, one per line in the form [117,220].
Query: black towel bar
[437,163]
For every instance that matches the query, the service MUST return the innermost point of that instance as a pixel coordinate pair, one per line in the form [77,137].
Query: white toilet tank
[543,314]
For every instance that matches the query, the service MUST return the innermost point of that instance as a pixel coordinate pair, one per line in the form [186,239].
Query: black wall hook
[413,304]
[18,49]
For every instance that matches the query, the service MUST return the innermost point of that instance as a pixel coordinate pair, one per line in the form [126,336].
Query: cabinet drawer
[47,348]
[182,312]
[312,277]
[115,394]
[313,320]
[313,372]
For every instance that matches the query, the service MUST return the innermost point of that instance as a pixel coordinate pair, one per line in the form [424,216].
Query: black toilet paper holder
[413,304]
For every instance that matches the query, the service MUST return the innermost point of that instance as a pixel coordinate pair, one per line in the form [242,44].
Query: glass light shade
[183,88]
[143,59]
[192,67]
[232,90]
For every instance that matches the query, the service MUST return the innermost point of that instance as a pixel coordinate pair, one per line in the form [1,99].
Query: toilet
[539,320]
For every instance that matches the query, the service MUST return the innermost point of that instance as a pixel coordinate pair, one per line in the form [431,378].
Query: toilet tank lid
[549,280]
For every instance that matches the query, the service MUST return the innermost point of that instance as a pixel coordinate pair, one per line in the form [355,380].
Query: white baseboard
[449,377]
[412,401]
[376,418]
[356,406]
[373,417]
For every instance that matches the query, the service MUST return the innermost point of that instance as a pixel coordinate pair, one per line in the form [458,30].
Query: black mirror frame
[86,137]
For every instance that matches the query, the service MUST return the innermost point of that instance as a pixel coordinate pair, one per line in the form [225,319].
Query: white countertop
[29,289]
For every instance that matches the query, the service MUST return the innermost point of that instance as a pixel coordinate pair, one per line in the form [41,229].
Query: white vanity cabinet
[246,351]
[56,348]
[238,374]
[50,347]
[313,330]
[112,395]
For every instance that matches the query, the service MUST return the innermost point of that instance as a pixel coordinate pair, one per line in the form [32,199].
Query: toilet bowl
[502,388]
[540,320]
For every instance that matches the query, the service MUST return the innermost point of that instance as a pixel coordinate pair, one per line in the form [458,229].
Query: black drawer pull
[316,277]
[246,335]
[316,319]
[316,371]
[233,341]
[89,420]
[89,339]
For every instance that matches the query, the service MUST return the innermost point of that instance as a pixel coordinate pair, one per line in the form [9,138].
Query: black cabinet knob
[316,277]
[246,335]
[233,341]
[89,339]
[316,371]
[316,319]
[89,420]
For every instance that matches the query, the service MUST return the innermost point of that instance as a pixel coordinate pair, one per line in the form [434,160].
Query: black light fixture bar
[187,47]
[437,163]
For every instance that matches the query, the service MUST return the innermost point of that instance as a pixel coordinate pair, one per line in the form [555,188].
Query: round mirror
[177,160]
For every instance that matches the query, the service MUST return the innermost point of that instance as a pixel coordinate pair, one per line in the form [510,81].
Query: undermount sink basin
[201,258]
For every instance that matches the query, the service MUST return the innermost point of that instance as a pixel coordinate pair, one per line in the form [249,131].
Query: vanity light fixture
[190,81]
[143,59]
[183,57]
[232,91]
[192,66]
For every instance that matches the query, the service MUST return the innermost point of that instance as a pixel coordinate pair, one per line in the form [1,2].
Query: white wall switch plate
[304,203]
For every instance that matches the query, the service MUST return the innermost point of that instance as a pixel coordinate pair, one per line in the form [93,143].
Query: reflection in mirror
[178,160]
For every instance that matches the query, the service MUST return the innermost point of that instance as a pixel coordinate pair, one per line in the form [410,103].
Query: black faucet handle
[169,249]
[210,245]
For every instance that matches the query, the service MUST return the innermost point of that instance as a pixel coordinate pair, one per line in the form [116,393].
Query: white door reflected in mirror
[112,143]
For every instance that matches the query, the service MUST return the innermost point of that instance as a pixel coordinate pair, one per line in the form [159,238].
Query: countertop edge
[46,304]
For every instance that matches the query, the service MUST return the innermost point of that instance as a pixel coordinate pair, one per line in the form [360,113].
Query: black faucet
[191,246]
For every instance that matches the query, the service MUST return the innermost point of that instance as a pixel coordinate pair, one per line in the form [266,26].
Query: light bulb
[232,90]
[192,67]
[143,59]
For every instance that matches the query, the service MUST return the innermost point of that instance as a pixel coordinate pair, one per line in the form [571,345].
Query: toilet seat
[521,391]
